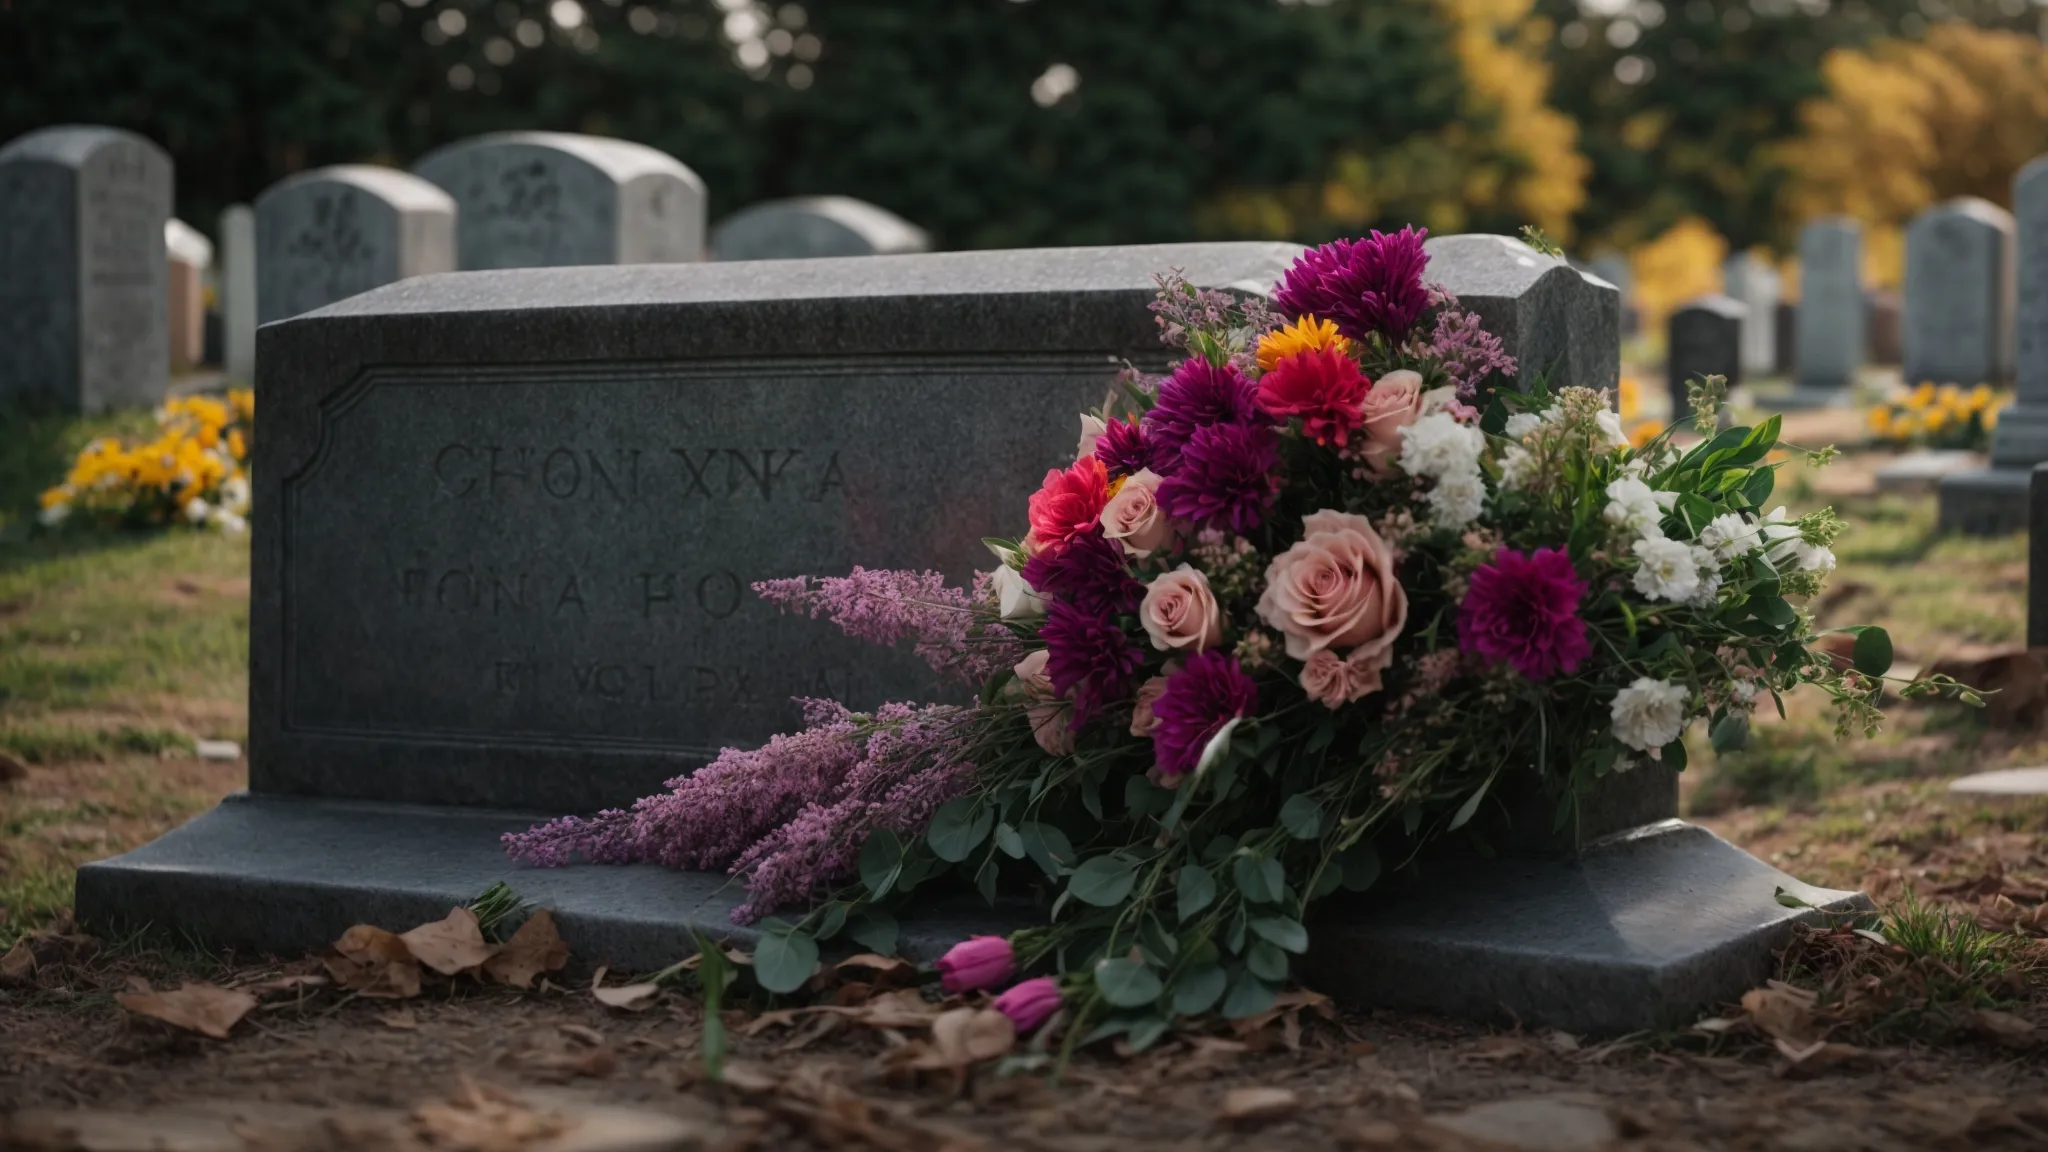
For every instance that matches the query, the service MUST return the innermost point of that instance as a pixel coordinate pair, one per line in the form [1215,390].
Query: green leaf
[1157,944]
[1284,932]
[1470,807]
[1674,755]
[1361,866]
[958,828]
[1328,880]
[784,960]
[1103,881]
[1114,1026]
[1266,962]
[1789,900]
[1260,878]
[881,862]
[985,880]
[1147,1032]
[1011,844]
[713,975]
[1302,816]
[1321,737]
[875,930]
[1731,734]
[1127,983]
[1773,611]
[1198,991]
[1217,748]
[1196,890]
[832,921]
[1249,996]
[1048,847]
[1872,654]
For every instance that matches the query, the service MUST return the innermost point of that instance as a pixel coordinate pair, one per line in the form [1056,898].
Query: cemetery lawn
[117,652]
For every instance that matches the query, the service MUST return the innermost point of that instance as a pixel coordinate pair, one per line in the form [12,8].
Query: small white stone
[217,749]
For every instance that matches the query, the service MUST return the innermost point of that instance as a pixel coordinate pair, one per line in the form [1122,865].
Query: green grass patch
[38,743]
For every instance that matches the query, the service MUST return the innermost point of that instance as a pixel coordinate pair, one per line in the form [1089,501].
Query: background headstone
[1959,294]
[809,226]
[325,235]
[550,199]
[238,293]
[1884,340]
[1705,340]
[1552,318]
[1829,345]
[1995,500]
[188,255]
[83,278]
[1784,355]
[1752,280]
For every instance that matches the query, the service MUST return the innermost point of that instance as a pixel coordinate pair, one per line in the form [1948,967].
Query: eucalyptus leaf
[1302,816]
[881,862]
[1048,847]
[1284,932]
[1011,844]
[1103,881]
[1248,996]
[958,828]
[1470,807]
[784,960]
[875,930]
[1361,866]
[1127,983]
[1198,991]
[1872,654]
[1146,1032]
[1731,734]
[1260,878]
[1674,755]
[1266,962]
[1195,890]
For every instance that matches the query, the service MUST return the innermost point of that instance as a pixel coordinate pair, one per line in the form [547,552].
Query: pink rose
[1394,403]
[1179,612]
[1032,676]
[1092,429]
[1334,681]
[1134,516]
[1030,1003]
[975,963]
[1336,589]
[1142,720]
[1052,719]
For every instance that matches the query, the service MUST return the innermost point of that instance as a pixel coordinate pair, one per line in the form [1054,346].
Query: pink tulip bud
[1030,1003]
[977,962]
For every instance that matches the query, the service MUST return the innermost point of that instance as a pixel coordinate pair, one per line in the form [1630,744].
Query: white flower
[1438,446]
[234,493]
[227,522]
[1610,423]
[1637,467]
[54,514]
[1667,570]
[1649,714]
[196,510]
[1729,535]
[1522,423]
[1789,551]
[1743,690]
[1458,498]
[1709,591]
[1092,429]
[1633,507]
[1016,600]
[1517,468]
[1439,400]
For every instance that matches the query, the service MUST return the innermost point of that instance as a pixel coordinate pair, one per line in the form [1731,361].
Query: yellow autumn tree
[1684,261]
[1906,124]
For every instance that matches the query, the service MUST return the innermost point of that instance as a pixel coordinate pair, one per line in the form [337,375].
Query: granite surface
[1957,312]
[805,227]
[1703,338]
[1560,324]
[1829,346]
[1753,280]
[328,234]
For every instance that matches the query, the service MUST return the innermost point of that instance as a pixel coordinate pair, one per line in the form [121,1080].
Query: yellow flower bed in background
[1943,416]
[194,472]
[1628,404]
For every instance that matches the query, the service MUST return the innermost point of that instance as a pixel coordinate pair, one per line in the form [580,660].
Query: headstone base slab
[1991,502]
[1643,930]
[1804,398]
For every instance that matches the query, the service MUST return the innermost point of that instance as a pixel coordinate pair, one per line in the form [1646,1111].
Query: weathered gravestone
[1558,322]
[188,255]
[811,226]
[1613,267]
[1751,279]
[1884,329]
[1995,500]
[1705,339]
[1829,346]
[552,199]
[328,234]
[84,319]
[504,528]
[238,292]
[1959,294]
[1783,354]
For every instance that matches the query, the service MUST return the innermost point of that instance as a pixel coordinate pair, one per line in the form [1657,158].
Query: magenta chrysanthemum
[1121,448]
[1525,610]
[1207,692]
[1088,658]
[1088,573]
[1364,286]
[1198,395]
[1226,479]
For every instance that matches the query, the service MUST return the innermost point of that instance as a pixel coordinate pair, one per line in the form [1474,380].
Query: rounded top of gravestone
[2009,782]
[1975,209]
[1243,266]
[1483,264]
[72,144]
[1612,267]
[622,160]
[1714,303]
[813,226]
[402,190]
[1826,225]
[2031,173]
[185,244]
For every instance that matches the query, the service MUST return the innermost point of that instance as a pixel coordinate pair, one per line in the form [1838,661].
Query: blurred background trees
[1676,128]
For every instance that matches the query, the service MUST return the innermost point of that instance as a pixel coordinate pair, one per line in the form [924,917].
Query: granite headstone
[238,292]
[1995,500]
[328,234]
[84,284]
[1829,347]
[1705,339]
[1558,323]
[188,255]
[1884,341]
[552,199]
[1751,279]
[1959,294]
[1784,347]
[810,226]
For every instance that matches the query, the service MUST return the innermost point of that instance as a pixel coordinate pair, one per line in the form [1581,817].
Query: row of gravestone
[95,316]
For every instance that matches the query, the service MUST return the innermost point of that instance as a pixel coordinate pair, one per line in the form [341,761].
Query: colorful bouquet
[195,471]
[1292,611]
[1938,417]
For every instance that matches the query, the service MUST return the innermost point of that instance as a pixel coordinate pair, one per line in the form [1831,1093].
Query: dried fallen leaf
[964,1036]
[370,961]
[11,769]
[536,948]
[1781,1012]
[19,964]
[451,945]
[1241,1104]
[630,997]
[1819,1056]
[484,1117]
[203,1008]
[888,971]
[2005,1028]
[287,983]
[403,1020]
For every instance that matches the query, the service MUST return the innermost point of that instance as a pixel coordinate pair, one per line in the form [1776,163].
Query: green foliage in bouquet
[1294,612]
